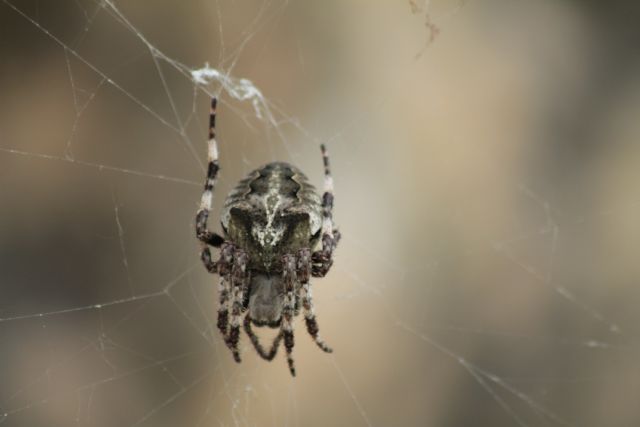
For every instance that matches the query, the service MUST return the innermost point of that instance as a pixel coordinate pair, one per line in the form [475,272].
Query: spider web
[473,285]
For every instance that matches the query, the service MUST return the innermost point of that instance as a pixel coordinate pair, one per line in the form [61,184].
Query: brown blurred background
[486,161]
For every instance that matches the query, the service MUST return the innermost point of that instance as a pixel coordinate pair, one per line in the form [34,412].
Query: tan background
[486,187]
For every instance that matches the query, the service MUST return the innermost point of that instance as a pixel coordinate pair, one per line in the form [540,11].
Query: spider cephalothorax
[272,221]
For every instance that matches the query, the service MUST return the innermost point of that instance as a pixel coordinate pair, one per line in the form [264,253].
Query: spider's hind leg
[323,258]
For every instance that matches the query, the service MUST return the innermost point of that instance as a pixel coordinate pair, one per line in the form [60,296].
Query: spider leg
[256,342]
[223,268]
[304,270]
[322,259]
[209,263]
[223,308]
[204,235]
[286,327]
[239,281]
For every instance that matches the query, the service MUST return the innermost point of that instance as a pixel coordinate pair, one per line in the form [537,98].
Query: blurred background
[486,161]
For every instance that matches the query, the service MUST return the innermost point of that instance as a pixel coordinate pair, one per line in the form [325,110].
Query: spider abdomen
[266,300]
[272,212]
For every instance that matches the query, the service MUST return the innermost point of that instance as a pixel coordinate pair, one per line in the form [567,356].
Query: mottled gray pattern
[266,299]
[271,212]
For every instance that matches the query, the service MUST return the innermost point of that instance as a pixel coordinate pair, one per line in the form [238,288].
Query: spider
[272,222]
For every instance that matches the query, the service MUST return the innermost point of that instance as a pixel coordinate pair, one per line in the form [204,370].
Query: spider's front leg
[323,259]
[232,265]
[206,236]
